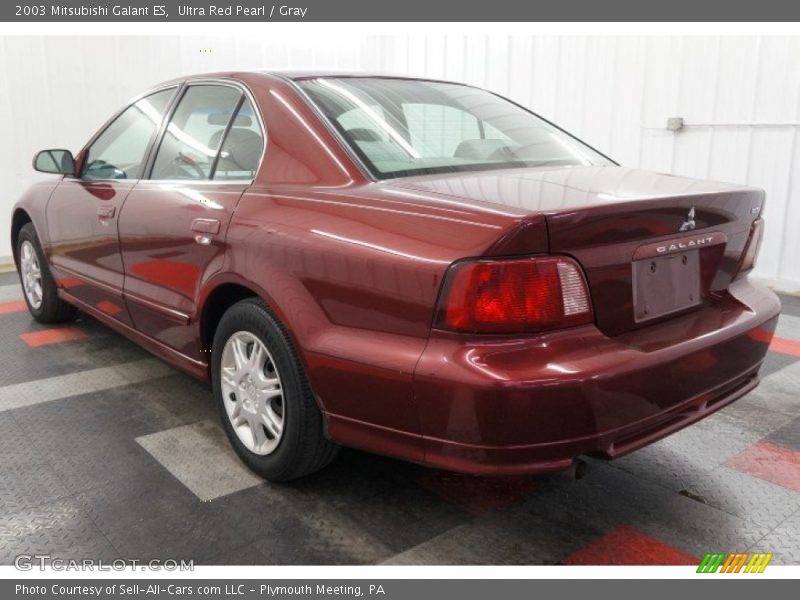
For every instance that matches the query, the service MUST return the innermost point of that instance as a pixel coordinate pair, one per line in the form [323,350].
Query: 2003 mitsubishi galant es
[412,267]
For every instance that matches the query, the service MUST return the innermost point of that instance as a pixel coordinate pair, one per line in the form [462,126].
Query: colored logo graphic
[734,563]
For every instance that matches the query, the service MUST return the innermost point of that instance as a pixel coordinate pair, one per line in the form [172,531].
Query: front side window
[402,127]
[195,132]
[119,152]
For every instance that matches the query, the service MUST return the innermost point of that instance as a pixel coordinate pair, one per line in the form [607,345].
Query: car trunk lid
[652,245]
[648,260]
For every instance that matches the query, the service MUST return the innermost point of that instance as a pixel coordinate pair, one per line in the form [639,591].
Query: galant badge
[689,223]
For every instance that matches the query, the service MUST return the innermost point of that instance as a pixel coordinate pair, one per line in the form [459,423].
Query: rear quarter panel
[354,274]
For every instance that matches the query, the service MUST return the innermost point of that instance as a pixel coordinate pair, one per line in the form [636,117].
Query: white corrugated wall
[740,98]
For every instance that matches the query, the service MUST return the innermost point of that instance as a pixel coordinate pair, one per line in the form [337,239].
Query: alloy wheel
[31,274]
[252,393]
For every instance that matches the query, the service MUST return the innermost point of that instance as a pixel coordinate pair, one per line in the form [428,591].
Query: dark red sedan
[412,267]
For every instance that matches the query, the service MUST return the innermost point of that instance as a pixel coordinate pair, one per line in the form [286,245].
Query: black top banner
[399,11]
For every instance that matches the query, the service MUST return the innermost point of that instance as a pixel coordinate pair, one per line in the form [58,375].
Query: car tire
[276,429]
[38,286]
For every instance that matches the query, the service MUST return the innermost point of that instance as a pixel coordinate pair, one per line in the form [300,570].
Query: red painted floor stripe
[776,344]
[628,546]
[477,495]
[771,462]
[12,307]
[785,346]
[51,336]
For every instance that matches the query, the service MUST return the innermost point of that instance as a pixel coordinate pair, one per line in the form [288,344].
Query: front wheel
[38,285]
[265,401]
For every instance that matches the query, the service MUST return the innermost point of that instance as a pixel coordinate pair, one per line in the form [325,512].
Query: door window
[120,151]
[195,132]
[243,146]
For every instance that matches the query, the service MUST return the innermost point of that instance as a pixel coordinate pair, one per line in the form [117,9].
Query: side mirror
[60,162]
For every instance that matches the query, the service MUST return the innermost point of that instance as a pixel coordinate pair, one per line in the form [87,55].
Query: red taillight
[514,296]
[753,246]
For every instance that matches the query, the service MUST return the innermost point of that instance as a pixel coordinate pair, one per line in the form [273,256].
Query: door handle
[205,228]
[106,212]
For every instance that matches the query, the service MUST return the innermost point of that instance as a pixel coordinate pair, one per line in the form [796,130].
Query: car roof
[300,74]
[312,73]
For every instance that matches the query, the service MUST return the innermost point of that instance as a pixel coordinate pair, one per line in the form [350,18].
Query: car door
[82,211]
[173,225]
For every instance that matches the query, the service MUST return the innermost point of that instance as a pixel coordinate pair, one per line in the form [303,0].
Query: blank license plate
[665,284]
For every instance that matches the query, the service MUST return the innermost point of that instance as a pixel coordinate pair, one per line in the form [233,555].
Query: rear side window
[195,132]
[213,134]
[119,152]
[243,146]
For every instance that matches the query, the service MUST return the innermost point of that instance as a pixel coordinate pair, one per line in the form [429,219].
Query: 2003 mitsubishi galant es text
[411,267]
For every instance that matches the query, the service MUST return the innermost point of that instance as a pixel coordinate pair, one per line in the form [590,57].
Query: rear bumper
[500,406]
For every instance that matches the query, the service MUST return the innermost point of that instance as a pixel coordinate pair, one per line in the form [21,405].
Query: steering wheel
[100,169]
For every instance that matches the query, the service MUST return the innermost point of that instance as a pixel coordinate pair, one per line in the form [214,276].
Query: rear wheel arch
[219,297]
[219,300]
[225,295]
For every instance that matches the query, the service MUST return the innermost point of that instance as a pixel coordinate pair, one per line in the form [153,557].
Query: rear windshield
[401,127]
